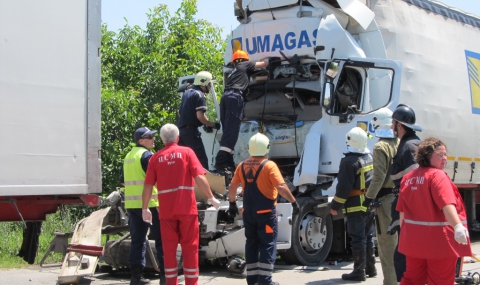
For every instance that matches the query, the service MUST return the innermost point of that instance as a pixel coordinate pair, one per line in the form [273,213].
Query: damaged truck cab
[330,68]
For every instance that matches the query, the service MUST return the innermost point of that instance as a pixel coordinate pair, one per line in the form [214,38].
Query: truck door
[352,90]
[359,86]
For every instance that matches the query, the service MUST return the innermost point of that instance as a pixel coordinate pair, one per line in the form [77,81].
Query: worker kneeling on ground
[262,182]
[354,176]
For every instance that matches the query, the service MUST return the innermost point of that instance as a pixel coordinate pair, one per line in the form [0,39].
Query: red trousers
[432,271]
[181,229]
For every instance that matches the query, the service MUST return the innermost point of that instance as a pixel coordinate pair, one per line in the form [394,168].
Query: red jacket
[426,232]
[173,170]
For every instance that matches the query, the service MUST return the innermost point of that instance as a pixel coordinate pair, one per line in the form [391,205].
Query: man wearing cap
[404,127]
[192,115]
[135,166]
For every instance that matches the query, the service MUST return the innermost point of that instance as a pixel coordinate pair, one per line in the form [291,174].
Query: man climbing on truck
[231,107]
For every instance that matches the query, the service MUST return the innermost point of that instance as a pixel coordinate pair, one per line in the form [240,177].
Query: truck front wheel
[310,244]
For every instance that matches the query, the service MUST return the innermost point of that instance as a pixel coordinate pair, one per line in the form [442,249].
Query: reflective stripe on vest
[362,172]
[359,208]
[429,224]
[134,177]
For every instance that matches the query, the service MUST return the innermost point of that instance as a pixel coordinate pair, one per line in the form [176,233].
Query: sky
[217,12]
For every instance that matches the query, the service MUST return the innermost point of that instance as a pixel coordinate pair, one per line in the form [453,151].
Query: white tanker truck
[333,63]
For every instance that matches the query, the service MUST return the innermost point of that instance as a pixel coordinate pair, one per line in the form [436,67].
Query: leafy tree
[140,71]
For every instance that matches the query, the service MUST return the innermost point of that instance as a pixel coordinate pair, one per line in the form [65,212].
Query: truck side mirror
[327,96]
[332,69]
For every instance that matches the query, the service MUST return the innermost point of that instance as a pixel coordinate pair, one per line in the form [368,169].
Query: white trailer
[49,106]
[416,52]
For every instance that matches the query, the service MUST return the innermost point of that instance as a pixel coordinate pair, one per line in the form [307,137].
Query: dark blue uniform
[261,230]
[193,100]
[403,162]
[231,112]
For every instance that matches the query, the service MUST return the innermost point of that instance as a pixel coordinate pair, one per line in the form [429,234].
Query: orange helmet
[240,54]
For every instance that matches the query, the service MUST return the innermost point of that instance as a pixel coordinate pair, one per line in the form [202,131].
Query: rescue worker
[231,106]
[381,191]
[354,176]
[404,127]
[135,166]
[192,115]
[433,219]
[262,182]
[175,170]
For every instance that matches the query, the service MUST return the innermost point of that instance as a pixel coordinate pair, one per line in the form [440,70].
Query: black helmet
[406,116]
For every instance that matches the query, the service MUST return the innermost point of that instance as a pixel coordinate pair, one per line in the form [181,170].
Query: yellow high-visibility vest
[134,176]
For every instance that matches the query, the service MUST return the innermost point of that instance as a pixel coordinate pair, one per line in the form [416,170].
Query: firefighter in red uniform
[175,170]
[432,219]
[262,182]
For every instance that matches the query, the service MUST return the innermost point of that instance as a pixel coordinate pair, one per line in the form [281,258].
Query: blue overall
[261,230]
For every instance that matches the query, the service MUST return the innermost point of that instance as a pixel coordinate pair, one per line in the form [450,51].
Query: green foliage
[140,72]
[63,221]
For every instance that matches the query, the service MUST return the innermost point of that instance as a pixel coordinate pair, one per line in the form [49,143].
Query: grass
[63,220]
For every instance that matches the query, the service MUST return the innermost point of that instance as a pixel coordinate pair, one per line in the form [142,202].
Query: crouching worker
[262,182]
[354,177]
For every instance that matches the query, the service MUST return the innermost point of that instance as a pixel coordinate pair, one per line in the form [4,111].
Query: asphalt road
[217,275]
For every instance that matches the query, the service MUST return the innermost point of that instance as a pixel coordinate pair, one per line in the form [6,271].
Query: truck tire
[309,245]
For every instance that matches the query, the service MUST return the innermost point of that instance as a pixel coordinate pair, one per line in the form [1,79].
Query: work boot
[231,163]
[137,277]
[370,269]
[222,160]
[358,273]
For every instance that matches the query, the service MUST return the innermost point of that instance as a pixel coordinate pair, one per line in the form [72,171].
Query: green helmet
[202,78]
[259,145]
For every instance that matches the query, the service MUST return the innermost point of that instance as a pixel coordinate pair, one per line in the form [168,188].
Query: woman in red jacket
[432,218]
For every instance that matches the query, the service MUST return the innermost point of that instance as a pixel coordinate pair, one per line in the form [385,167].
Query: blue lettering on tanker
[473,66]
[277,42]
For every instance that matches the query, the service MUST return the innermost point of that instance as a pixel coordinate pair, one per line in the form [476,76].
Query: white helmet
[356,140]
[382,118]
[259,145]
[202,78]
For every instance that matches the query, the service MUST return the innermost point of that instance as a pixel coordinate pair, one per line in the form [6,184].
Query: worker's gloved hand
[214,202]
[461,234]
[367,202]
[232,209]
[216,126]
[147,216]
[207,129]
[296,208]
